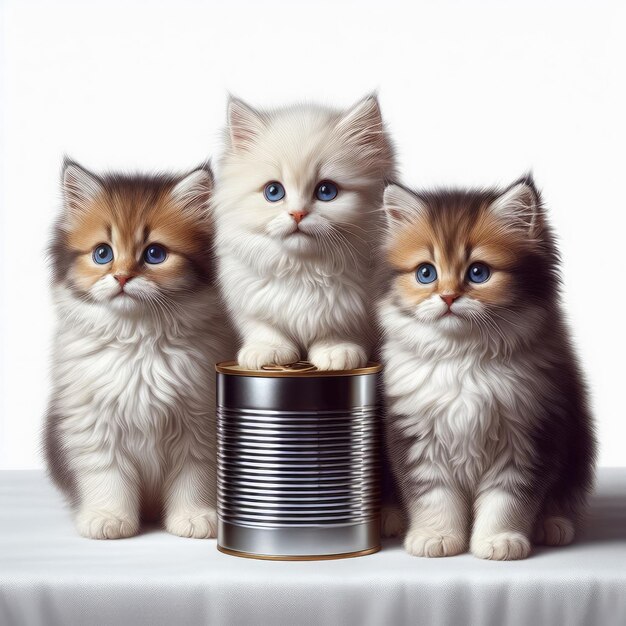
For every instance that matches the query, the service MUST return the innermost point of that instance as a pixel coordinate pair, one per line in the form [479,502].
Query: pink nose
[449,299]
[122,279]
[298,216]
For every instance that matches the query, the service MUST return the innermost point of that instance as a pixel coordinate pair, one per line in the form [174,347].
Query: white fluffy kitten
[130,431]
[295,204]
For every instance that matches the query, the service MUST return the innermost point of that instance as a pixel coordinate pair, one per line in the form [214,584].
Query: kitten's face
[465,259]
[133,242]
[303,176]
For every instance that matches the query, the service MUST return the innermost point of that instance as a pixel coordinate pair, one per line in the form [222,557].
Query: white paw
[392,522]
[339,356]
[429,542]
[253,356]
[507,546]
[196,523]
[99,524]
[554,531]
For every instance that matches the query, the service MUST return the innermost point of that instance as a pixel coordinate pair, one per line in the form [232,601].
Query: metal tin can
[298,462]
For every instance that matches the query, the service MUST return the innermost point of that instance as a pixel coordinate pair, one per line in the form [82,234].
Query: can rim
[298,557]
[301,369]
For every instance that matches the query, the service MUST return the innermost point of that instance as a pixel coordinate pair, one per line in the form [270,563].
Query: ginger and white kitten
[488,429]
[130,430]
[297,203]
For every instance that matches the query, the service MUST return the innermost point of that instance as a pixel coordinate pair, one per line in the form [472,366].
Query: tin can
[298,462]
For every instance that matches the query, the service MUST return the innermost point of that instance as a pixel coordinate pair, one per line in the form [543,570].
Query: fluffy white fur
[136,391]
[301,290]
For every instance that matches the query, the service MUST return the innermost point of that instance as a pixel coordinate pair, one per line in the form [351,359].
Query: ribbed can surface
[298,462]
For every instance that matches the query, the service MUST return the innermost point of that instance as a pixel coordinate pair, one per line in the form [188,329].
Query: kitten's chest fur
[140,378]
[305,303]
[466,410]
[129,392]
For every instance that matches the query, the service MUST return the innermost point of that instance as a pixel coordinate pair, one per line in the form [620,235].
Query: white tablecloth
[49,575]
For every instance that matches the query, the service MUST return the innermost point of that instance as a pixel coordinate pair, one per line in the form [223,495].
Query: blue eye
[326,191]
[478,273]
[426,273]
[274,192]
[103,254]
[155,254]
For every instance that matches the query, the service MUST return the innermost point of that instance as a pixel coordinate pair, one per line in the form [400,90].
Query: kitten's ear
[519,205]
[401,206]
[244,123]
[193,192]
[363,123]
[80,188]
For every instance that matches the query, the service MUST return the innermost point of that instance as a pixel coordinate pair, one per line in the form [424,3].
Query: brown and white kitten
[488,428]
[131,428]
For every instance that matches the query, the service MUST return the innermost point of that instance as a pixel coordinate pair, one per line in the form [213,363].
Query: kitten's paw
[554,530]
[507,546]
[338,356]
[196,523]
[253,356]
[428,542]
[392,522]
[99,524]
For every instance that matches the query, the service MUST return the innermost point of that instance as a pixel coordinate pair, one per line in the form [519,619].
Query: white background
[473,92]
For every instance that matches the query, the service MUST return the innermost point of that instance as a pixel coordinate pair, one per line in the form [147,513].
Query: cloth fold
[49,575]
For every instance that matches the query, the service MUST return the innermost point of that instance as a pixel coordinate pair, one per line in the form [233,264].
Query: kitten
[297,202]
[130,426]
[488,427]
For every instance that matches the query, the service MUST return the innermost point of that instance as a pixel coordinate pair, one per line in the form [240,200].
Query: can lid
[298,369]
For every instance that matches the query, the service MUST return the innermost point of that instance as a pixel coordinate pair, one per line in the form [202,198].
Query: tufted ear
[80,188]
[401,206]
[519,205]
[362,124]
[193,192]
[244,123]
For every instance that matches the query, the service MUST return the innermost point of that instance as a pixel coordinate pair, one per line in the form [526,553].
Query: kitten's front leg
[190,495]
[438,522]
[264,345]
[336,354]
[108,503]
[504,518]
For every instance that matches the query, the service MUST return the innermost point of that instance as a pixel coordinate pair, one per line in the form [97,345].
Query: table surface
[49,575]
